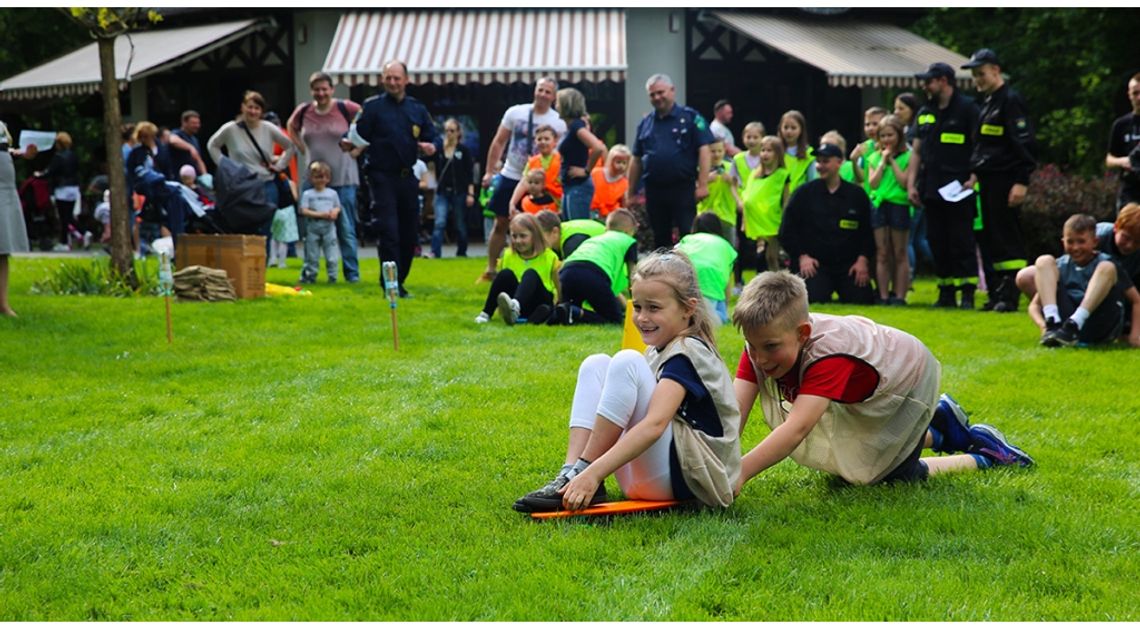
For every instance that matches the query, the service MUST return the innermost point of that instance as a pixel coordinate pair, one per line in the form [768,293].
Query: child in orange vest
[538,197]
[548,161]
[610,182]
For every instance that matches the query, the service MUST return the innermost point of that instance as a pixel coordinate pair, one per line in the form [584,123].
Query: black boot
[1007,293]
[968,296]
[945,297]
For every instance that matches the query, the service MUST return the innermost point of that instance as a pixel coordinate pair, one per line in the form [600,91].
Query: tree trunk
[122,254]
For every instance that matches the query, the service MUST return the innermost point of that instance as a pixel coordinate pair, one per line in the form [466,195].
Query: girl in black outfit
[455,191]
[63,172]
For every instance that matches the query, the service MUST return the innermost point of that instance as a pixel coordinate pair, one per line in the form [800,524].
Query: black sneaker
[560,315]
[539,315]
[1064,336]
[547,498]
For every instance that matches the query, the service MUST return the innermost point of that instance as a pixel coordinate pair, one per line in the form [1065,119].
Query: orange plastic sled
[609,508]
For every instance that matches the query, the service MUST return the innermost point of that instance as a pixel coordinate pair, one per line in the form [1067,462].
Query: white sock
[1051,312]
[1079,317]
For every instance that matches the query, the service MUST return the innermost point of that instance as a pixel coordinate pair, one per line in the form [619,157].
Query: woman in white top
[240,148]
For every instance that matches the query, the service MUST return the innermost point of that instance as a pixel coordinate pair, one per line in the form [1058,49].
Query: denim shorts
[890,215]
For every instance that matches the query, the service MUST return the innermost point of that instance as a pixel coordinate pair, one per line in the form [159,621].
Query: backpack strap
[305,109]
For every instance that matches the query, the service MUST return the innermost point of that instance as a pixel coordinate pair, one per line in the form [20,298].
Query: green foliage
[97,277]
[33,36]
[279,461]
[1070,64]
[108,22]
[1054,196]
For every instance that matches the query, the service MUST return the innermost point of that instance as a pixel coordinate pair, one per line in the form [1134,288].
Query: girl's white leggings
[618,389]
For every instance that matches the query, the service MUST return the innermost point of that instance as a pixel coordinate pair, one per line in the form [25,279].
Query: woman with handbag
[249,141]
[456,191]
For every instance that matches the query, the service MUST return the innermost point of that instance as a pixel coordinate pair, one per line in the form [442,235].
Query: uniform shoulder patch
[1021,123]
[699,121]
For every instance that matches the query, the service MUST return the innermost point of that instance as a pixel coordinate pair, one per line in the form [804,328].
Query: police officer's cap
[828,150]
[981,57]
[936,70]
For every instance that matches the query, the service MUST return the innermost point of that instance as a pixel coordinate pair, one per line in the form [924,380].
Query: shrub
[1054,196]
[96,277]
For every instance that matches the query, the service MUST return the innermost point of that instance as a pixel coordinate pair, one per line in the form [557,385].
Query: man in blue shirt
[670,150]
[396,128]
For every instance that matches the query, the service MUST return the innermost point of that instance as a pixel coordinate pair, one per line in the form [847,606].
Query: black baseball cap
[981,57]
[828,150]
[936,70]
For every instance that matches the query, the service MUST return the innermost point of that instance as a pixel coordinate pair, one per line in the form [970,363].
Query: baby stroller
[39,211]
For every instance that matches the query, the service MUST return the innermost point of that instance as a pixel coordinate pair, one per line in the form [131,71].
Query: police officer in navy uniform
[943,143]
[1003,159]
[670,150]
[396,128]
[1123,153]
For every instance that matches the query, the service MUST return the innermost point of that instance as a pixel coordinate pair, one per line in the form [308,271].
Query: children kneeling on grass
[1081,296]
[848,396]
[598,273]
[526,285]
[665,424]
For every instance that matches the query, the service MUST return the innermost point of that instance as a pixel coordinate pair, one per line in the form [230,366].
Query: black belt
[3,145]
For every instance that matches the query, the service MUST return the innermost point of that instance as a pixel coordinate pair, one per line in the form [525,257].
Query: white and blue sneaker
[951,421]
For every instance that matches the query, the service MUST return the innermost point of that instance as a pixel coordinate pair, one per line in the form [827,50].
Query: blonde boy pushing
[845,395]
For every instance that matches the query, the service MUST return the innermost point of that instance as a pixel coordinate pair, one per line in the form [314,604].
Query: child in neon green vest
[742,165]
[799,158]
[890,210]
[871,119]
[598,273]
[765,196]
[713,257]
[723,199]
[526,285]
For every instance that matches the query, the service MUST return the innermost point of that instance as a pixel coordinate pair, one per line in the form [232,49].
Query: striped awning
[153,51]
[480,46]
[851,52]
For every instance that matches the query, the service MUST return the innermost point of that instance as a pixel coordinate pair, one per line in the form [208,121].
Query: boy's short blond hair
[534,175]
[1080,223]
[621,219]
[772,298]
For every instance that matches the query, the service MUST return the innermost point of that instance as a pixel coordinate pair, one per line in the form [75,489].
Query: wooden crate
[241,256]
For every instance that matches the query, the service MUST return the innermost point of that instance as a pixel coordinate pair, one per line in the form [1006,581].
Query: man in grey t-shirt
[516,137]
[316,128]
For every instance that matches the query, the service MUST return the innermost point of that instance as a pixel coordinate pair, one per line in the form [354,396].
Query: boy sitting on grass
[1080,297]
[848,396]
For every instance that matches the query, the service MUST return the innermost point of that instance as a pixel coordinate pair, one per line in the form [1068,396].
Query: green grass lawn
[280,461]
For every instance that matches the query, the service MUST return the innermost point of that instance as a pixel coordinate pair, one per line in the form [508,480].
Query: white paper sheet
[42,139]
[953,192]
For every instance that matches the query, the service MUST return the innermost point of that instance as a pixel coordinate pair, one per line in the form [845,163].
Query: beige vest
[710,465]
[863,442]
